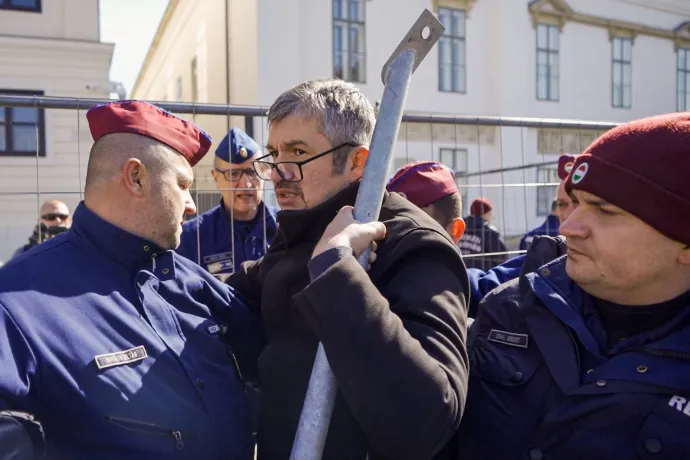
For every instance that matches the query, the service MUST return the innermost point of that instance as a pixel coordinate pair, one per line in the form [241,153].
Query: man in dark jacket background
[481,237]
[395,335]
[587,357]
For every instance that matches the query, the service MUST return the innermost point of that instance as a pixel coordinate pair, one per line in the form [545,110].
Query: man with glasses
[55,219]
[394,333]
[241,227]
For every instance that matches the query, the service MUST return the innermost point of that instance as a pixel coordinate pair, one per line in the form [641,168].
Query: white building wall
[56,51]
[294,42]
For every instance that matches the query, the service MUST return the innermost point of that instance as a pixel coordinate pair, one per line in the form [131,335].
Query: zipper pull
[153,259]
[178,438]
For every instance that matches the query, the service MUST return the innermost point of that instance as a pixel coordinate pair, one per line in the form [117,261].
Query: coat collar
[309,224]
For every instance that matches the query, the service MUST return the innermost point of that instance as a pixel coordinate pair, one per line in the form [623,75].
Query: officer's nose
[575,226]
[189,206]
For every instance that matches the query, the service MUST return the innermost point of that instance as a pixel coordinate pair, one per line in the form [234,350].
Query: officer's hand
[345,231]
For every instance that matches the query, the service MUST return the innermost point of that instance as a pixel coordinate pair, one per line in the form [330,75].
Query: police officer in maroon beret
[588,357]
[431,186]
[118,353]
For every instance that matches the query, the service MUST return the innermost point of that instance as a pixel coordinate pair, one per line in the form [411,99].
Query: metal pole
[312,430]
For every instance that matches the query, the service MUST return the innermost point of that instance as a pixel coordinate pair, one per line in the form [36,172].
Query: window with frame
[683,82]
[456,159]
[349,42]
[621,81]
[451,51]
[548,46]
[22,129]
[33,6]
[546,193]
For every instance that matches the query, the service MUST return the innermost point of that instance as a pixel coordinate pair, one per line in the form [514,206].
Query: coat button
[199,383]
[517,377]
[535,454]
[589,371]
[147,249]
[652,445]
[165,271]
[601,383]
[642,368]
[545,271]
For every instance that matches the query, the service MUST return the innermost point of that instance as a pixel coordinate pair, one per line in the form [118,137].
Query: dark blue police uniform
[545,385]
[549,228]
[225,243]
[115,346]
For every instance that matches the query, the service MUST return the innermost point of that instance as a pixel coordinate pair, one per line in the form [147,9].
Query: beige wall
[192,29]
[59,19]
[57,53]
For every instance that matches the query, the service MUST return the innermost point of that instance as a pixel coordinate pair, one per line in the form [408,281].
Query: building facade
[597,60]
[49,48]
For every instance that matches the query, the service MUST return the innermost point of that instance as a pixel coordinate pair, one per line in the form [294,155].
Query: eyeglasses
[234,175]
[289,171]
[55,216]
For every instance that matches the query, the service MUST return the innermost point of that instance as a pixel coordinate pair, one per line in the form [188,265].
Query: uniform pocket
[503,364]
[664,435]
[148,435]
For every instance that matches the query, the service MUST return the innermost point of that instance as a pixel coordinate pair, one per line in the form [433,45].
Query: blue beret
[237,147]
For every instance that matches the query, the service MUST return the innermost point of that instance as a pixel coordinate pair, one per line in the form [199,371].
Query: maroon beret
[423,182]
[642,167]
[565,165]
[480,206]
[139,117]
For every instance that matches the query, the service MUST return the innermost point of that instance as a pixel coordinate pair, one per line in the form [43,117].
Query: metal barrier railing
[510,160]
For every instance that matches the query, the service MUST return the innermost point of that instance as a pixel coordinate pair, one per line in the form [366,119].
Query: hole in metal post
[426,32]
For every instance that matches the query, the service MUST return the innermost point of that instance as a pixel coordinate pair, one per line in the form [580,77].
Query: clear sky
[130,25]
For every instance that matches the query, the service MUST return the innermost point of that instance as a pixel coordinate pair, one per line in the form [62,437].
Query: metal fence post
[310,438]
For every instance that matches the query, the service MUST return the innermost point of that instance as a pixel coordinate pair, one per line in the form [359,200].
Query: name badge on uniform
[509,338]
[121,357]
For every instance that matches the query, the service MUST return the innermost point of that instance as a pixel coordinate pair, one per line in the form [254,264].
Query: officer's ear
[456,229]
[133,175]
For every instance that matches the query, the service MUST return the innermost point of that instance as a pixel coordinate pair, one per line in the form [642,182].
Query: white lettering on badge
[121,357]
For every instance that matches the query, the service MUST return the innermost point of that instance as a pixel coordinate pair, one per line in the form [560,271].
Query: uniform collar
[269,213]
[126,249]
[309,224]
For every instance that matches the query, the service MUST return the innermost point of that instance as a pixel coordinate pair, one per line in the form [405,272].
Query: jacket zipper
[661,353]
[153,429]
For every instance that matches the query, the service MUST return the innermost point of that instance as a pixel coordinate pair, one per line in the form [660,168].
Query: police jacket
[394,337]
[481,238]
[549,228]
[214,230]
[114,345]
[483,282]
[544,385]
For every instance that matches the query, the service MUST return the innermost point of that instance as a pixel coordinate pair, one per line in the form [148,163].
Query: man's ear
[456,229]
[684,257]
[359,160]
[134,176]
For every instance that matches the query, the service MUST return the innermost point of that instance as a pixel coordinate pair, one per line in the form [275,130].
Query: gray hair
[342,112]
